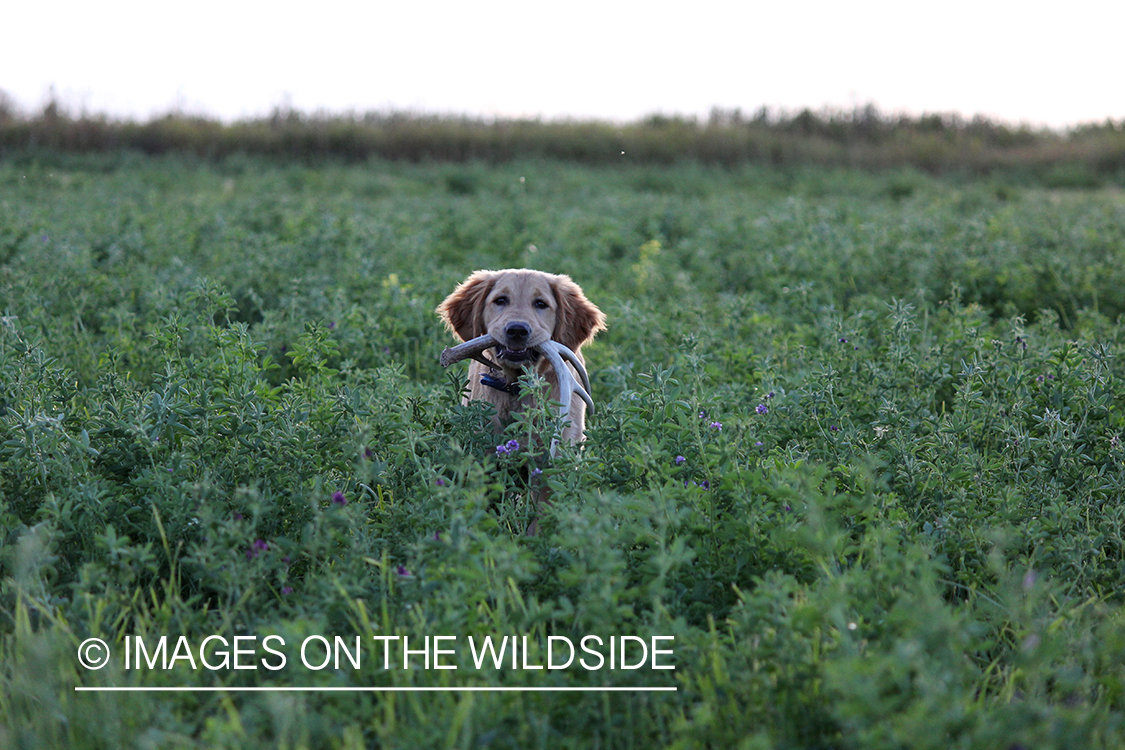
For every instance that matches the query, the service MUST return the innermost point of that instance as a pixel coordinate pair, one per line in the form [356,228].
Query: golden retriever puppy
[522,317]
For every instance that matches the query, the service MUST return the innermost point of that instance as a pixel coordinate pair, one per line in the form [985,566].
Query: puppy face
[520,312]
[521,309]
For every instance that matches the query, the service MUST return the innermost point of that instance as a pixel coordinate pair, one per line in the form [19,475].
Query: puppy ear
[578,319]
[463,310]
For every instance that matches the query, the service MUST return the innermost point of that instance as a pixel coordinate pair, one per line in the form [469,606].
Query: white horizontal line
[374,689]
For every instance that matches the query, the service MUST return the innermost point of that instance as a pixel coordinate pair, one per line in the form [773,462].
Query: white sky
[1033,61]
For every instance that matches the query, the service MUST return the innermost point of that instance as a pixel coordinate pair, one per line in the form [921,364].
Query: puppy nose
[517,332]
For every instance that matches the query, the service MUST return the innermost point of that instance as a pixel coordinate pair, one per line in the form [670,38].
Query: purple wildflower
[717,426]
[331,325]
[286,590]
[512,446]
[339,499]
[368,454]
[759,444]
[440,482]
[437,536]
[769,395]
[834,428]
[237,516]
[536,472]
[501,450]
[680,460]
[402,571]
[843,340]
[762,409]
[259,546]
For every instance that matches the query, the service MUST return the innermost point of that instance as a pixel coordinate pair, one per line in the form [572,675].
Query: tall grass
[857,447]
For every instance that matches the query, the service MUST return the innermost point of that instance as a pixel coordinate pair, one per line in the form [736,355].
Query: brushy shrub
[942,144]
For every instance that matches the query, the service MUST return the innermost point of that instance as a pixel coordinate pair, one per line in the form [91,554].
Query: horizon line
[773,112]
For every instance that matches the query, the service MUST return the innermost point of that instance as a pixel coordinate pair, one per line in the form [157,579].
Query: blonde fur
[545,306]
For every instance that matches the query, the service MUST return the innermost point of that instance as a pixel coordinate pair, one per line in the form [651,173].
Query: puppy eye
[540,304]
[501,301]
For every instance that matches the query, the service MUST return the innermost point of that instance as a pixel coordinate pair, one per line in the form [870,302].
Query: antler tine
[573,359]
[567,384]
[471,349]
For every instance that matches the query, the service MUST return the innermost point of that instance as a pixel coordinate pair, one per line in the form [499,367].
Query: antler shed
[555,353]
[568,386]
[471,349]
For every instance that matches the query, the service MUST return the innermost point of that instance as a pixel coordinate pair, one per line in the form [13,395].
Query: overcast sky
[1037,62]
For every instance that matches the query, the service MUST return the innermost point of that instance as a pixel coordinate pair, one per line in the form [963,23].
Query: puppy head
[578,320]
[521,309]
[463,310]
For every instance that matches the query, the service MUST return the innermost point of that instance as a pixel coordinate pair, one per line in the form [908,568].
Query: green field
[858,447]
